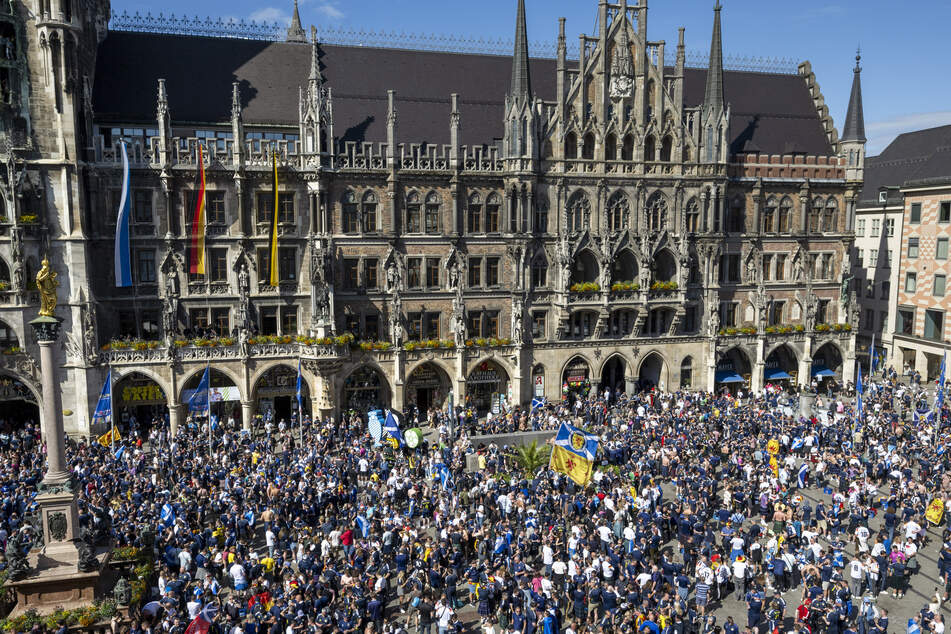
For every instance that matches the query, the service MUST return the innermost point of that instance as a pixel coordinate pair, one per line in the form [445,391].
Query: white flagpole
[112,415]
[208,403]
[300,407]
[871,358]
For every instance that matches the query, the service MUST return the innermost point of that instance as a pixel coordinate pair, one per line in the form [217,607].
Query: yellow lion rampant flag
[110,437]
[574,453]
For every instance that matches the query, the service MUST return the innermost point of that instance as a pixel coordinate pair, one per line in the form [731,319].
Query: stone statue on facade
[47,284]
[518,310]
[563,258]
[244,281]
[396,322]
[394,274]
[322,302]
[713,320]
[171,282]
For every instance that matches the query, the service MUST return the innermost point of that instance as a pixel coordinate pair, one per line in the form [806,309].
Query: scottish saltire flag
[803,475]
[103,413]
[445,476]
[123,255]
[538,401]
[198,403]
[574,453]
[392,427]
[168,514]
[202,623]
[364,525]
[798,443]
[300,407]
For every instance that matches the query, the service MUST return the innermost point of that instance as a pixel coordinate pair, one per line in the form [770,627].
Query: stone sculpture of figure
[244,281]
[713,321]
[517,335]
[122,593]
[797,268]
[393,277]
[18,278]
[15,554]
[87,552]
[751,268]
[322,300]
[459,330]
[47,283]
[396,323]
[171,282]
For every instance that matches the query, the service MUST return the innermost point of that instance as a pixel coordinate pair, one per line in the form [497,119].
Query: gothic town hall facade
[453,227]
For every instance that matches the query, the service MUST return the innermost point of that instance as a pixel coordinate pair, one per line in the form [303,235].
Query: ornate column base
[59,522]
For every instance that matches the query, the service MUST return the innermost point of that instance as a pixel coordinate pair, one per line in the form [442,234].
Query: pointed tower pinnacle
[295,32]
[235,100]
[314,60]
[521,79]
[854,129]
[713,97]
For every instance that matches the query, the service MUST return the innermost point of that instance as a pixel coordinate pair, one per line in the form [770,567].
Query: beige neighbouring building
[614,214]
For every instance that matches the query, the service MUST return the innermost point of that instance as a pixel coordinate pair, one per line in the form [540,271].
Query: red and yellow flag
[274,276]
[198,220]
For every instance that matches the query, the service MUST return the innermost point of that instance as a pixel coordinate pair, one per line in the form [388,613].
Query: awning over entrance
[775,374]
[728,376]
[822,371]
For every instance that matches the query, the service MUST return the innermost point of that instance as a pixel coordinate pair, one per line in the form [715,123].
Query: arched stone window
[649,148]
[737,220]
[627,148]
[587,148]
[370,224]
[692,212]
[474,214]
[571,146]
[579,212]
[830,216]
[666,148]
[686,373]
[656,213]
[493,210]
[413,213]
[432,212]
[618,212]
[610,148]
[785,215]
[351,219]
[815,212]
[769,215]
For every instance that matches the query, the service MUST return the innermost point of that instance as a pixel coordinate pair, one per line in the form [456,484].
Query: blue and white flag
[538,401]
[392,427]
[873,358]
[120,452]
[123,256]
[445,476]
[300,407]
[939,398]
[168,514]
[198,403]
[859,408]
[803,474]
[364,525]
[103,413]
[375,425]
[798,443]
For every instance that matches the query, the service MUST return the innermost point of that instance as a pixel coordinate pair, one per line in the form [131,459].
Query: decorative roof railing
[274,32]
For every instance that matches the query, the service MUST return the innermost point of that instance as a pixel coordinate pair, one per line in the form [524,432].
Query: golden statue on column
[46,282]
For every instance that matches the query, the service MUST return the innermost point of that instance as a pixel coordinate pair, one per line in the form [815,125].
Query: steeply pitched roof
[770,113]
[854,128]
[911,156]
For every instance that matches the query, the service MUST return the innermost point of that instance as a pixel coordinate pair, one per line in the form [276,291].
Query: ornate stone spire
[713,96]
[854,129]
[295,32]
[521,78]
[622,64]
[314,61]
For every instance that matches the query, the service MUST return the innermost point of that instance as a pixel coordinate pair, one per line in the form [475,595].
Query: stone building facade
[452,226]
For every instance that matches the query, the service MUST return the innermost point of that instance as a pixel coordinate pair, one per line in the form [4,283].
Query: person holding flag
[574,453]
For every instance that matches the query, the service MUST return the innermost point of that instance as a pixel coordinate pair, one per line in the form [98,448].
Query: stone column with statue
[64,562]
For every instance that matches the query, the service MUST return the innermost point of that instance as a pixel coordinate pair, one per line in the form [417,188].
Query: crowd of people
[699,503]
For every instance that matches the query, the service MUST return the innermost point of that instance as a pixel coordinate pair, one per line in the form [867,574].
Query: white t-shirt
[739,569]
[855,569]
[238,574]
[444,613]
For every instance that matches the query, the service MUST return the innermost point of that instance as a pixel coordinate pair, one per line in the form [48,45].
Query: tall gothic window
[474,214]
[666,147]
[618,210]
[785,215]
[587,148]
[693,216]
[815,211]
[432,213]
[571,146]
[656,213]
[610,148]
[413,213]
[493,209]
[649,148]
[370,224]
[737,221]
[350,211]
[830,216]
[769,215]
[579,212]
[627,148]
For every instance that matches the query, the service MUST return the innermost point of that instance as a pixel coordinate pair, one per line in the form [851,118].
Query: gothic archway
[364,389]
[427,387]
[652,372]
[276,391]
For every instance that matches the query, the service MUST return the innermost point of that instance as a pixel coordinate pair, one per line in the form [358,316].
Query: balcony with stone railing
[222,349]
